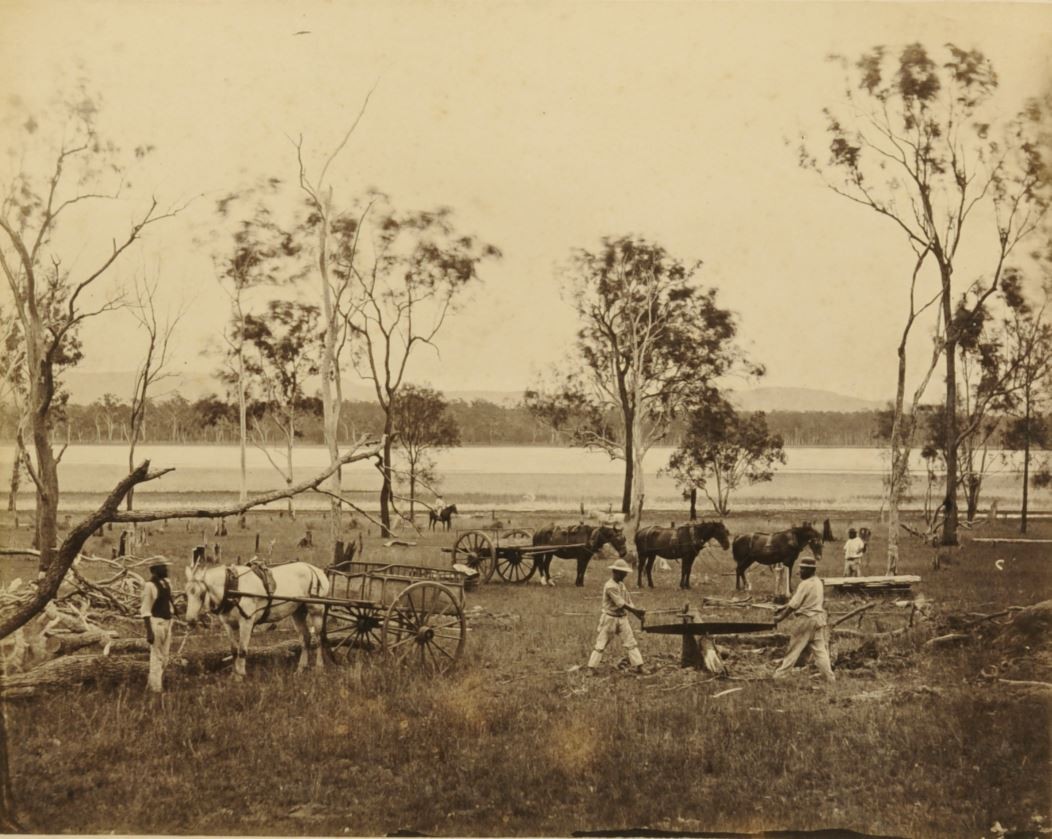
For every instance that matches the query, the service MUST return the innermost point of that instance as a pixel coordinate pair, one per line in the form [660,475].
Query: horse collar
[227,600]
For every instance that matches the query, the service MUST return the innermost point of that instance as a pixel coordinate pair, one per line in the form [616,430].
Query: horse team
[582,541]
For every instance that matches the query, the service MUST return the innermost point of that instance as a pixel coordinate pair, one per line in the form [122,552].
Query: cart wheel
[475,549]
[515,566]
[352,627]
[425,628]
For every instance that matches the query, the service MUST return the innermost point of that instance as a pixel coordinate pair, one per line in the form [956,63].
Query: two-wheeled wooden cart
[508,552]
[412,614]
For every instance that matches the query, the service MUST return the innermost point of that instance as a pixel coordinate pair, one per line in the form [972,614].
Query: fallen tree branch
[851,614]
[109,511]
[983,618]
[946,640]
[258,501]
[1024,683]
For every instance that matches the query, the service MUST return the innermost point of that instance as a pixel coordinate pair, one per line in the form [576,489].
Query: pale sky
[544,126]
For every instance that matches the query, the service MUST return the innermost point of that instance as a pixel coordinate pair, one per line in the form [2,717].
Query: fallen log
[73,641]
[948,640]
[1025,683]
[851,614]
[995,539]
[107,669]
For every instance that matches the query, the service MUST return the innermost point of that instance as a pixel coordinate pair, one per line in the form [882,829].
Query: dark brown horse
[581,542]
[682,543]
[444,515]
[781,548]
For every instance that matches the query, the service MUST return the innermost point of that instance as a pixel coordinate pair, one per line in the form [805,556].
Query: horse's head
[199,595]
[716,530]
[605,534]
[807,535]
[453,509]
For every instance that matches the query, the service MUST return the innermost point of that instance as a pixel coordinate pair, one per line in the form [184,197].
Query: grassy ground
[910,741]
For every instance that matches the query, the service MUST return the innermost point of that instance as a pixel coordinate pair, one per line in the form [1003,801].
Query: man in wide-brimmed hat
[811,630]
[613,619]
[156,613]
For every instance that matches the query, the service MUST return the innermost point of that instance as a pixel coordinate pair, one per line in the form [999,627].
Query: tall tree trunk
[329,370]
[1026,463]
[693,503]
[385,489]
[412,494]
[129,499]
[950,431]
[16,479]
[626,497]
[47,492]
[635,513]
[289,440]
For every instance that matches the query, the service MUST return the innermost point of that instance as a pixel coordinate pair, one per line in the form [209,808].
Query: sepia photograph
[526,418]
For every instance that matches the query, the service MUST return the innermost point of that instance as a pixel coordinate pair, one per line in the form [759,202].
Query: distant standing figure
[613,619]
[156,613]
[811,631]
[854,550]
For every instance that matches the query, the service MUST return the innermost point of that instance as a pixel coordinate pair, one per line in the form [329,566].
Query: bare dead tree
[109,511]
[319,195]
[158,331]
[50,301]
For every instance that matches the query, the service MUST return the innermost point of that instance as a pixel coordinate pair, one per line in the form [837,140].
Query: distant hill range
[85,387]
[800,399]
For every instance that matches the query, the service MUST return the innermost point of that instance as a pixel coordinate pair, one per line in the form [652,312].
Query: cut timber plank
[898,580]
[1010,539]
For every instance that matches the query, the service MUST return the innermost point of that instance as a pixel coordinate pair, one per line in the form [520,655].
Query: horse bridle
[226,601]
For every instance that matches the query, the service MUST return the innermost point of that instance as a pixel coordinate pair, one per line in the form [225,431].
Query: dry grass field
[912,740]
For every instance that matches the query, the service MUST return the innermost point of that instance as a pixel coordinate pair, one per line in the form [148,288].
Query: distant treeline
[213,420]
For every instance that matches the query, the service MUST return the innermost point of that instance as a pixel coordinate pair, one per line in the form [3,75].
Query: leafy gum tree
[649,335]
[721,449]
[422,425]
[400,290]
[917,140]
[1028,338]
[284,354]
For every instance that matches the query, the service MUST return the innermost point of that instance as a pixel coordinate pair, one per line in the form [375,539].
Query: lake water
[508,477]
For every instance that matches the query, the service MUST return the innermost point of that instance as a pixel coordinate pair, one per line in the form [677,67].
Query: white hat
[621,565]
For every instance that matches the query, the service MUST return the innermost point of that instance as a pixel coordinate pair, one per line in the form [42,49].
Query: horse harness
[231,598]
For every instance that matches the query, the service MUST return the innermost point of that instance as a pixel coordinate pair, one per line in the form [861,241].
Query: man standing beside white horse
[156,613]
[242,597]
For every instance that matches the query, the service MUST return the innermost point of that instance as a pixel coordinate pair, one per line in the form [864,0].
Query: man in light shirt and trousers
[613,619]
[854,551]
[156,613]
[811,630]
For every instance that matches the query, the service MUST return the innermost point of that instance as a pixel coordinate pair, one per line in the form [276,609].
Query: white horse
[209,587]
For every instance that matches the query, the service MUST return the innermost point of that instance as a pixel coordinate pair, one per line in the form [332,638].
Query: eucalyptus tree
[158,329]
[284,350]
[722,449]
[400,288]
[917,140]
[649,335]
[66,171]
[422,424]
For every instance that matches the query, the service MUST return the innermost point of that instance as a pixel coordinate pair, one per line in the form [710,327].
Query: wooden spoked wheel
[425,628]
[352,627]
[514,564]
[475,549]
